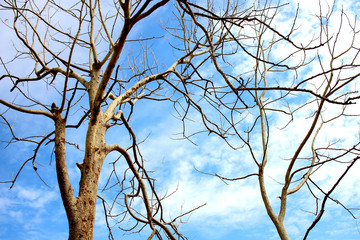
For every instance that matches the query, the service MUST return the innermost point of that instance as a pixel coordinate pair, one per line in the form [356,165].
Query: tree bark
[81,210]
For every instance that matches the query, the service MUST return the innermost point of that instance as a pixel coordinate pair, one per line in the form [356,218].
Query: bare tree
[242,85]
[54,37]
[268,88]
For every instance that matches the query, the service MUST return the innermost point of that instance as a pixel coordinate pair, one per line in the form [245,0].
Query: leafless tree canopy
[232,68]
[269,89]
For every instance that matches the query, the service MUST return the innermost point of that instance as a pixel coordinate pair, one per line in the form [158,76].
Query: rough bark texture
[81,210]
[81,214]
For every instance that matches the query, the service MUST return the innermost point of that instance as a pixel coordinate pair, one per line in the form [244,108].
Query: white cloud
[35,197]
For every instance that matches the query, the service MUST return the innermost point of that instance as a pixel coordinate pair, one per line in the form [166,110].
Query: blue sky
[33,210]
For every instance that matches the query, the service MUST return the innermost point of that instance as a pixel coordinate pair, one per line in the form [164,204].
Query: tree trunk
[81,225]
[277,220]
[80,211]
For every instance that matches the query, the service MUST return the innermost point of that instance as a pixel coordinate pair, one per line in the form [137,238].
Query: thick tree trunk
[80,210]
[81,226]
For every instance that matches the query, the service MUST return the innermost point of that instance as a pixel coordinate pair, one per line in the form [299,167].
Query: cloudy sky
[231,210]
